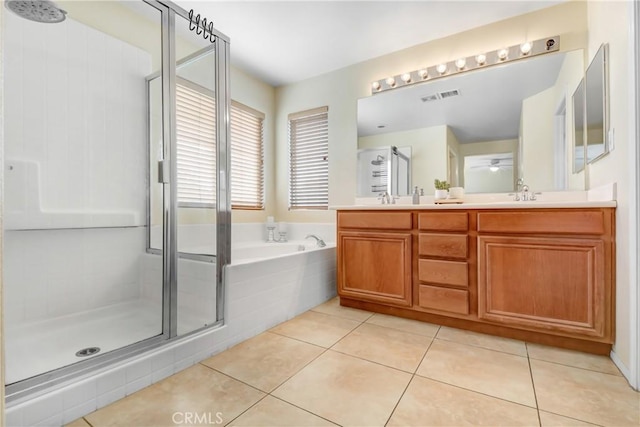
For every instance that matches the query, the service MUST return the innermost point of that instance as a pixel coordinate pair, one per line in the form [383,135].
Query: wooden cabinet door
[375,266]
[555,285]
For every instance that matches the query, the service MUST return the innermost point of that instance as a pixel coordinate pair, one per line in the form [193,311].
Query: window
[308,159]
[196,146]
[247,158]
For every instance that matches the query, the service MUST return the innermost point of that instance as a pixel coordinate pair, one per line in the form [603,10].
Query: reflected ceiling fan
[494,165]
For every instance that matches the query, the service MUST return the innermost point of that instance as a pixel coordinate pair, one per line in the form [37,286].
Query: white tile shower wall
[75,125]
[50,273]
[258,296]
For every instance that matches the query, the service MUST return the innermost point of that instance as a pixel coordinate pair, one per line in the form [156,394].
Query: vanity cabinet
[443,248]
[540,275]
[547,271]
[374,257]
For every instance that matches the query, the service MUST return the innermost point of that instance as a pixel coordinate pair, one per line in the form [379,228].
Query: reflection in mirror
[578,124]
[384,169]
[596,116]
[506,113]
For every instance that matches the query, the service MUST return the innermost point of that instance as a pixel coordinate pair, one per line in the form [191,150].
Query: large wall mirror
[486,128]
[596,106]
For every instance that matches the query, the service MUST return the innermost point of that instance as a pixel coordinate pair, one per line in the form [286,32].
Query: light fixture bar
[461,65]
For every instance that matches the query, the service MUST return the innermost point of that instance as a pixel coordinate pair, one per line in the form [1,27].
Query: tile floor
[340,366]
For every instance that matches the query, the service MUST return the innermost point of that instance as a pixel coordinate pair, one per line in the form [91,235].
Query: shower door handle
[163,172]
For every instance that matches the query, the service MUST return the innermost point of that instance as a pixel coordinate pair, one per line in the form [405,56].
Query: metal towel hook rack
[201,26]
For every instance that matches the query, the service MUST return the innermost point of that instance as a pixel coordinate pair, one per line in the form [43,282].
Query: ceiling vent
[449,93]
[440,95]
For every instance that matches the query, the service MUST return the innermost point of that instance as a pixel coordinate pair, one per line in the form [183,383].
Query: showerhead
[378,161]
[37,10]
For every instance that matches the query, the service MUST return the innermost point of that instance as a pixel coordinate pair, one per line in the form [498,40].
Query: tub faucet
[319,241]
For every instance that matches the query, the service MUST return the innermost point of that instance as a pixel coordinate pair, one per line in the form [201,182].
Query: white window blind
[196,144]
[309,159]
[196,150]
[247,157]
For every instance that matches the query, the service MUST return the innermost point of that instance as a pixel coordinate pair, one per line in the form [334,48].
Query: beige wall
[340,90]
[454,172]
[609,22]
[428,152]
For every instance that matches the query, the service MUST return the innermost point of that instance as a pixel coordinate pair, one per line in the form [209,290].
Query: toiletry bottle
[416,196]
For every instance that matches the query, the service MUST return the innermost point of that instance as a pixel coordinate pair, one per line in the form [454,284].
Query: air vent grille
[441,95]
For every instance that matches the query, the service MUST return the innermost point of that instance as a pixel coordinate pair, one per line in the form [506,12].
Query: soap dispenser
[416,196]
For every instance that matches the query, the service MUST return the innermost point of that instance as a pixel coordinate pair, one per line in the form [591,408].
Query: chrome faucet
[523,193]
[385,198]
[319,241]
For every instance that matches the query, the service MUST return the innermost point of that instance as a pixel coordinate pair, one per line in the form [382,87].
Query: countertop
[488,205]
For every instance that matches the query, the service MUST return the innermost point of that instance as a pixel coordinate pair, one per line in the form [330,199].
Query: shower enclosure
[383,169]
[109,113]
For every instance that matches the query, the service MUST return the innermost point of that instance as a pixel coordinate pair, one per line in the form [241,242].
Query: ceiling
[282,42]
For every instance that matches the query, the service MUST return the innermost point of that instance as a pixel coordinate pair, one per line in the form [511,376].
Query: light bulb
[494,168]
[481,59]
[391,81]
[460,63]
[423,74]
[406,77]
[442,68]
[503,54]
[375,85]
[525,48]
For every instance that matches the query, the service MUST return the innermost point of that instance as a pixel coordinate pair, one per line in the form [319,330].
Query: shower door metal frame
[37,385]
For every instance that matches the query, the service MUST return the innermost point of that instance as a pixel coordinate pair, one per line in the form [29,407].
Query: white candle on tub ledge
[282,227]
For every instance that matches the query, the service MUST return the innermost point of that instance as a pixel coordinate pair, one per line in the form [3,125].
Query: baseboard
[623,370]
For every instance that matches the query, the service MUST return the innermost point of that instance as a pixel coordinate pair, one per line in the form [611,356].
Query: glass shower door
[78,280]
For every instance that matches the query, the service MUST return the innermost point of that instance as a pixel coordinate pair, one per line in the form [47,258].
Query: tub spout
[319,241]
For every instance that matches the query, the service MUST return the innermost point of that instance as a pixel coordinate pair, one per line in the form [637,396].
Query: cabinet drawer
[443,221]
[375,220]
[451,273]
[452,300]
[566,222]
[443,245]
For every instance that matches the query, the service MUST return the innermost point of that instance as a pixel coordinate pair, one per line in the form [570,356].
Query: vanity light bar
[461,65]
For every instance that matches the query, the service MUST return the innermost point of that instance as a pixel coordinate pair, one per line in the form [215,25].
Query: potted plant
[442,189]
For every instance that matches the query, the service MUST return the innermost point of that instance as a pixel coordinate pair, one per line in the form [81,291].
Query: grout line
[303,409]
[243,412]
[577,367]
[533,385]
[571,418]
[235,379]
[371,361]
[86,420]
[398,402]
[475,391]
[297,339]
[484,348]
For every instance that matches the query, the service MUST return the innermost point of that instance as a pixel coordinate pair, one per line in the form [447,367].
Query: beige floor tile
[573,358]
[486,371]
[80,422]
[552,420]
[196,390]
[585,395]
[397,349]
[491,342]
[430,403]
[405,325]
[274,412]
[265,361]
[334,308]
[316,328]
[346,390]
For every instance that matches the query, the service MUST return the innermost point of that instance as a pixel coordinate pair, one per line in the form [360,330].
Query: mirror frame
[578,99]
[599,65]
